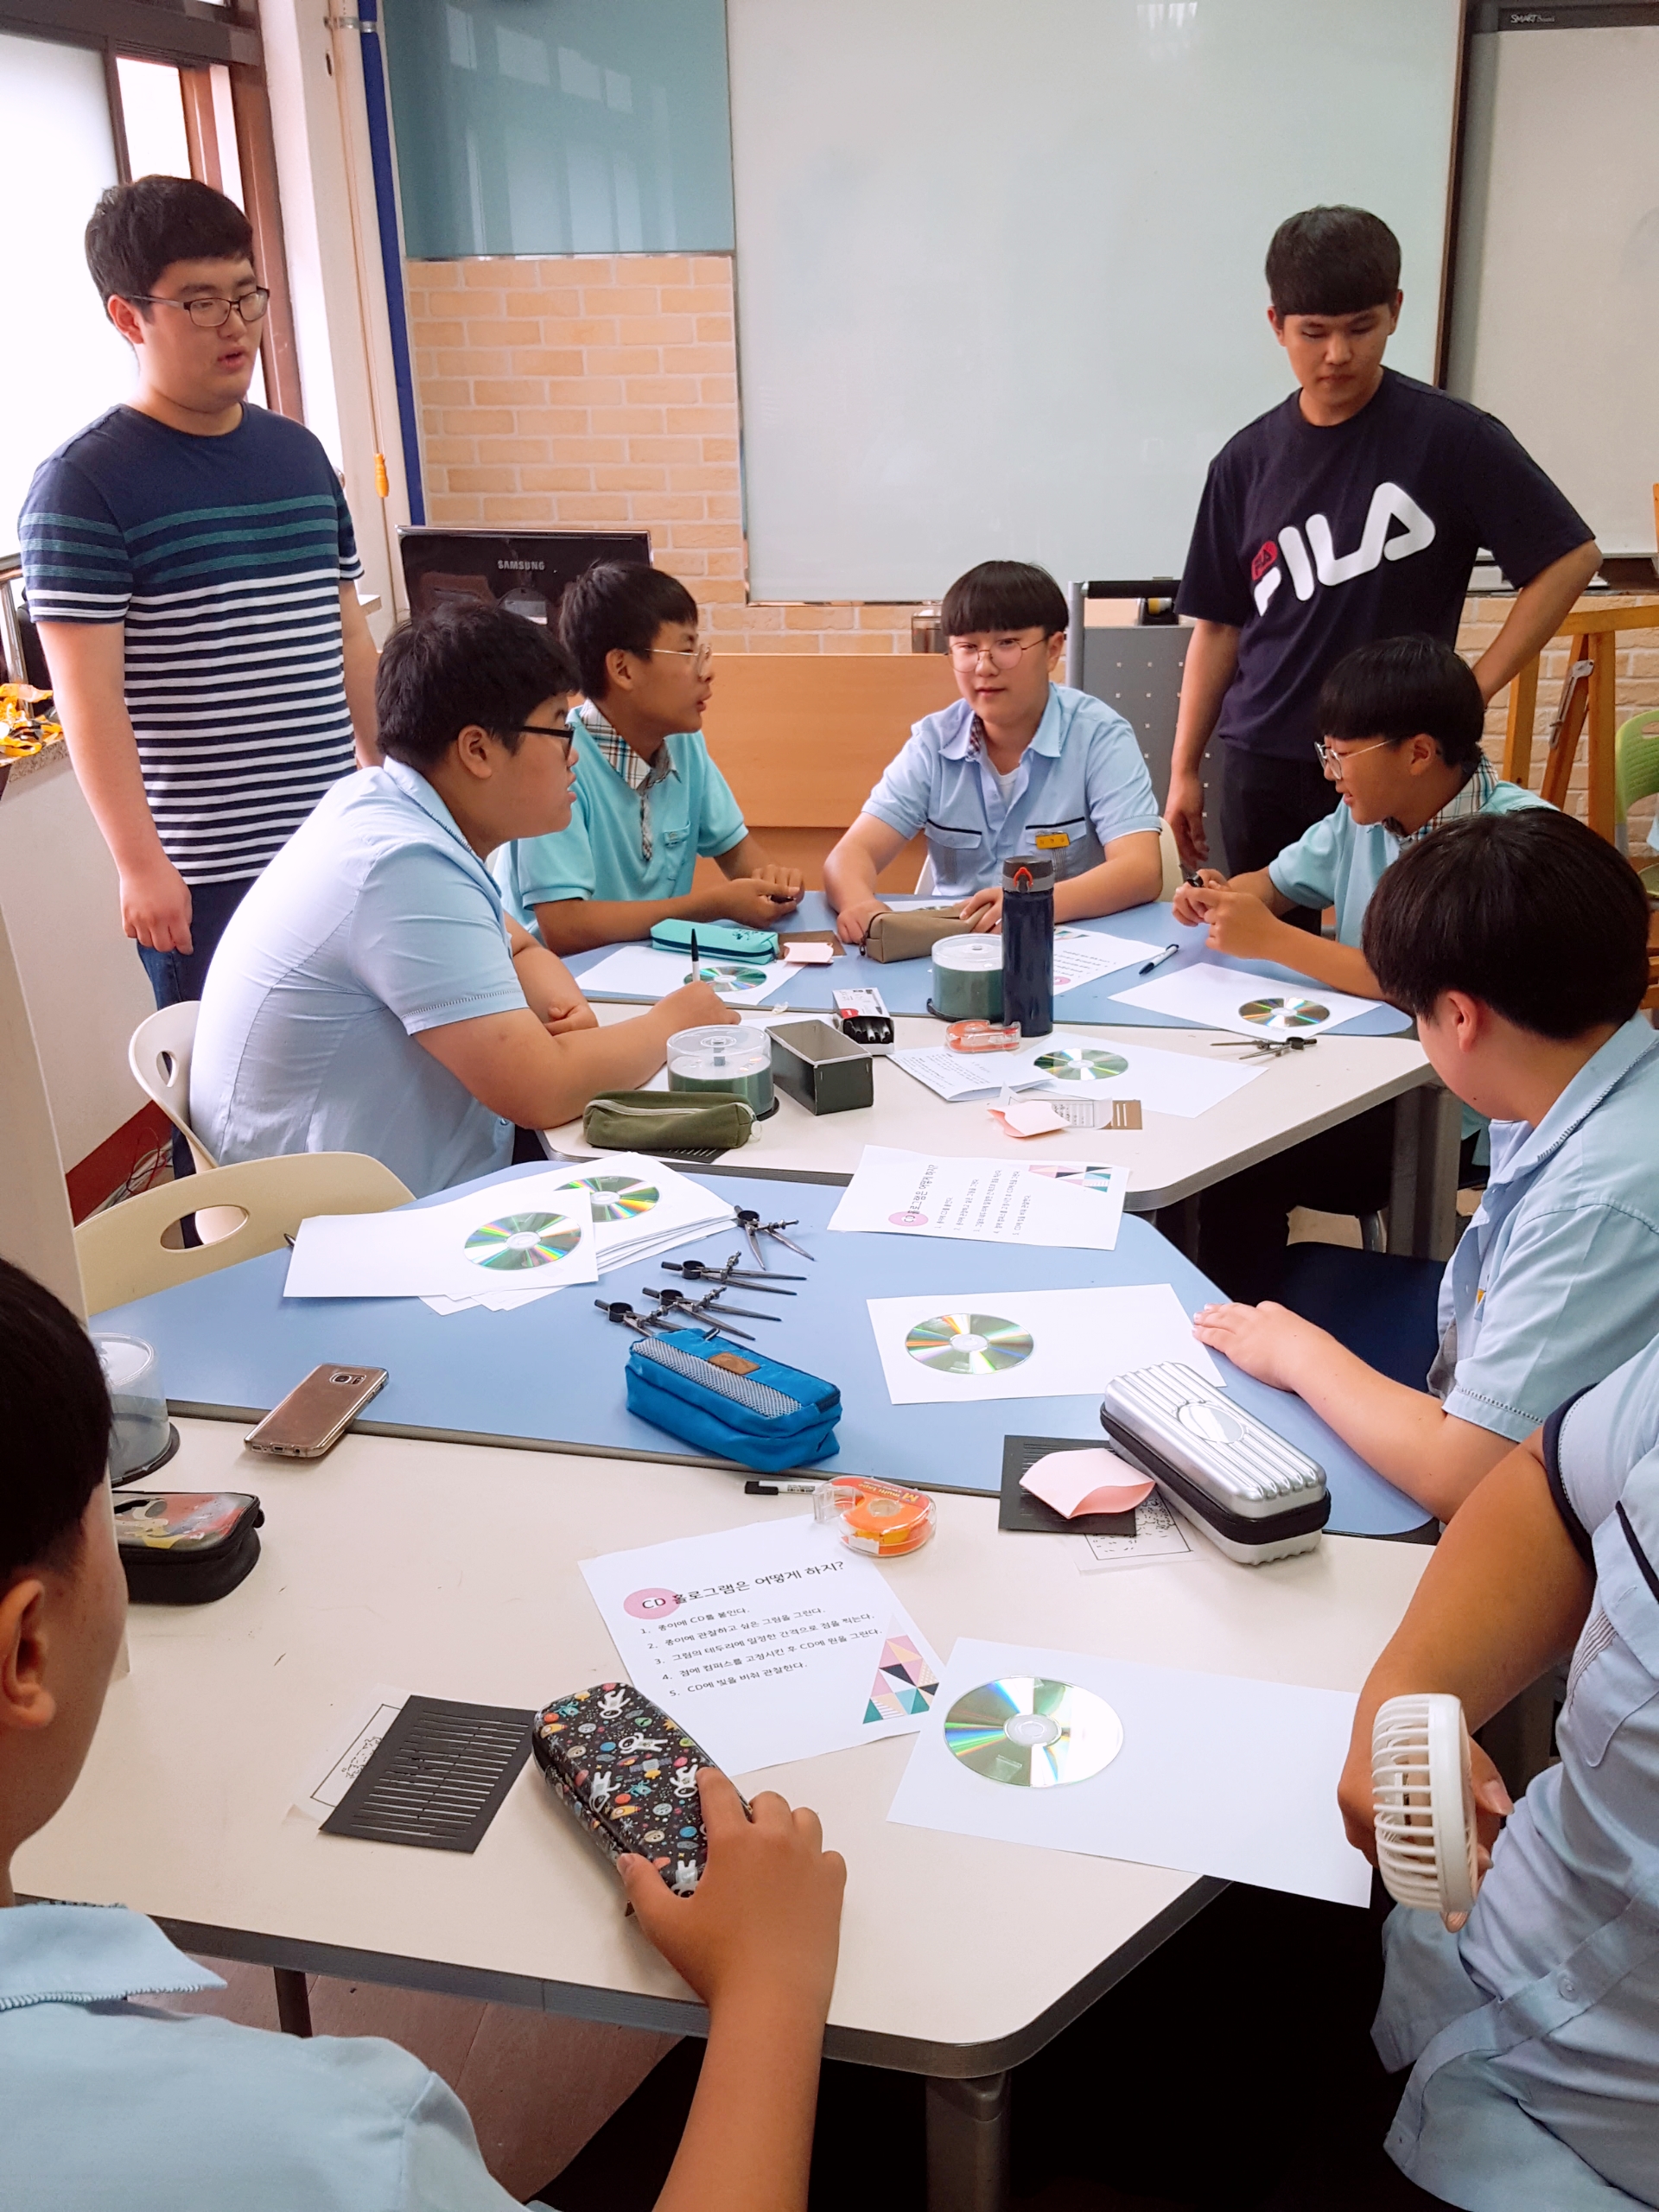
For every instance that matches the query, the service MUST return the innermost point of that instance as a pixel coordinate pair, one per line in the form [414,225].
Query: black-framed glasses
[209,313]
[563,731]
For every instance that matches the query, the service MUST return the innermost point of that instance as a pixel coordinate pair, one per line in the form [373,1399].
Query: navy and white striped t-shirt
[224,559]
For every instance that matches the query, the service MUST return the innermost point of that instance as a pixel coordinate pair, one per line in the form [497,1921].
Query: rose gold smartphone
[316,1413]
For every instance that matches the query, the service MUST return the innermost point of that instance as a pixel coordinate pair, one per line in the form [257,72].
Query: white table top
[451,1570]
[1168,1159]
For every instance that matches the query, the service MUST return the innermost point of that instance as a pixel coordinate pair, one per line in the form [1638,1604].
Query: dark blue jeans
[177,976]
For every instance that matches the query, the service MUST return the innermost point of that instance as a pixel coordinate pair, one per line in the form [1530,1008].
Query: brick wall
[603,391]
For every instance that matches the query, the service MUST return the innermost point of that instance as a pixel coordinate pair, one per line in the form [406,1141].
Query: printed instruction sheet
[767,1643]
[1070,1203]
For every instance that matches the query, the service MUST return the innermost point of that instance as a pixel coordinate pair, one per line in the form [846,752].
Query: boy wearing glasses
[190,561]
[1020,765]
[648,799]
[369,994]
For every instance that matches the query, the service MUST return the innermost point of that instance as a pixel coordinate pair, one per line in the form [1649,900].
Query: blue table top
[905,984]
[550,1376]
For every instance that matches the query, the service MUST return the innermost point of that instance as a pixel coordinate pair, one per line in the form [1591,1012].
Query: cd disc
[1067,1065]
[522,1240]
[617,1197]
[969,1344]
[1033,1733]
[724,975]
[1285,1014]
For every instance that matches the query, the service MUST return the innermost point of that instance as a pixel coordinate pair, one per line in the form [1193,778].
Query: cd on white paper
[969,1344]
[1028,1732]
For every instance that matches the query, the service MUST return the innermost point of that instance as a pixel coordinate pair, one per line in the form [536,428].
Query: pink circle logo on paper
[908,1220]
[650,1604]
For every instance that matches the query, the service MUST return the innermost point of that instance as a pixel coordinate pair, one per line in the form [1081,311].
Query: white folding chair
[158,1052]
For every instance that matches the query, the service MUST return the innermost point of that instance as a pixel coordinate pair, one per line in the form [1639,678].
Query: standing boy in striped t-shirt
[189,560]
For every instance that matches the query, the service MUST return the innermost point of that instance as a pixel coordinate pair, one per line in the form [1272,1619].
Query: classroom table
[550,1376]
[905,985]
[451,1570]
[1171,1157]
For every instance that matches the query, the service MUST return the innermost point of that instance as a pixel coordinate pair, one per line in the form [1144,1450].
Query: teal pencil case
[721,940]
[733,1403]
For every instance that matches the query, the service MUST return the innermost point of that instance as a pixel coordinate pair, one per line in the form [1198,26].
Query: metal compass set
[674,1308]
[1265,1048]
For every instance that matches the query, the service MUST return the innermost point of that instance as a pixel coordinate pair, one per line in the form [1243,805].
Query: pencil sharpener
[820,1068]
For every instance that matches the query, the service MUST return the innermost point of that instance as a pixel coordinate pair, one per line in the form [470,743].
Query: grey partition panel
[1137,668]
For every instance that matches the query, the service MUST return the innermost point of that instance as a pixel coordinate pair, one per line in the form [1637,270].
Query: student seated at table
[1533,2029]
[109,2100]
[1019,766]
[1403,721]
[1519,942]
[367,996]
[648,798]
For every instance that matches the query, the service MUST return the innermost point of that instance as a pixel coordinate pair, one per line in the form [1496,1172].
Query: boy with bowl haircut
[1020,765]
[110,2099]
[1353,510]
[1529,2027]
[369,994]
[648,798]
[1520,942]
[1401,721]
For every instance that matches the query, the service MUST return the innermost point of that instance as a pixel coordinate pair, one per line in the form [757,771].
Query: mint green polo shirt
[600,856]
[1339,862]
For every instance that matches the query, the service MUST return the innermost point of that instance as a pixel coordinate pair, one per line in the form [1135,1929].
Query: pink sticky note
[1028,1117]
[1094,1481]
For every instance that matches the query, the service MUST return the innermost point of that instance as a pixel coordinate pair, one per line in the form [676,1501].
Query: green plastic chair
[1635,775]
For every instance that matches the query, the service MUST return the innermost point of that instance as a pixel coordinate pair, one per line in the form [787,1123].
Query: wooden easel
[1588,699]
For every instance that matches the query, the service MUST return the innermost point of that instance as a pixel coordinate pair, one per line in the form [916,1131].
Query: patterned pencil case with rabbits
[629,1774]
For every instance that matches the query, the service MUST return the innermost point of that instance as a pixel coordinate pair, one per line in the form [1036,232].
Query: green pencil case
[667,1121]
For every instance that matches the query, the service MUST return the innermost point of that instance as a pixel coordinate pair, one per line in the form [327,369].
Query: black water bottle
[1028,944]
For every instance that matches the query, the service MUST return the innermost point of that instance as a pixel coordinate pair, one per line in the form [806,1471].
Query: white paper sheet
[1078,1340]
[767,1643]
[1082,1066]
[1214,997]
[533,1233]
[1056,1203]
[345,1751]
[638,972]
[1081,954]
[1219,1775]
[1159,1538]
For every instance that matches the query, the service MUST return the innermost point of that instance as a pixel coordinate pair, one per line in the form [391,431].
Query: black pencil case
[629,1774]
[186,1547]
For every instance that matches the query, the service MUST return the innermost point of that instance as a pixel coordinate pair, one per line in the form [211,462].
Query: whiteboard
[1555,319]
[999,261]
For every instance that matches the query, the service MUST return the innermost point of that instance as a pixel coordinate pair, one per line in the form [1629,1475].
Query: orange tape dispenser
[879,1519]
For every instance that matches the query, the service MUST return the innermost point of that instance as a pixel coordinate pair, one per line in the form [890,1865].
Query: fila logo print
[1389,504]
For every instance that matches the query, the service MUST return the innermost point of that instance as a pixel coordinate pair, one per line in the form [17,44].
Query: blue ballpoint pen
[1168,953]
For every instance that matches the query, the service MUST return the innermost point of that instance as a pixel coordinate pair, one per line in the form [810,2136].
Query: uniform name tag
[1047,840]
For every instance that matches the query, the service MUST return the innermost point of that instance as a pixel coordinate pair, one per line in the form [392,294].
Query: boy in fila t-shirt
[190,561]
[1352,511]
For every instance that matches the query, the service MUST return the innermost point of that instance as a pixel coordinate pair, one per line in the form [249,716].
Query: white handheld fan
[1425,1799]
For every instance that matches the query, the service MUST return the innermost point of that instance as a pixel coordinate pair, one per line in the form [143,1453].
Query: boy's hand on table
[787,880]
[1189,906]
[1268,1341]
[759,902]
[983,909]
[764,1920]
[694,1004]
[853,922]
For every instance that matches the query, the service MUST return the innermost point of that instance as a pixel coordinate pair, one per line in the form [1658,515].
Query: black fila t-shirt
[1310,541]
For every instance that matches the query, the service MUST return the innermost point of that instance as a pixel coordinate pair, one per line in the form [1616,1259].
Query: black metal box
[822,1069]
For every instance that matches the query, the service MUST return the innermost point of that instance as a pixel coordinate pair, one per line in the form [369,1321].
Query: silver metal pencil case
[1255,1496]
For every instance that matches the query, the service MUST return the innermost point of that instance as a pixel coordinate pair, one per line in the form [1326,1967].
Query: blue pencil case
[733,1403]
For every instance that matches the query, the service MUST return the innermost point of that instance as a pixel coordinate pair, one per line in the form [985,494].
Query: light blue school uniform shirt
[1079,784]
[107,2101]
[1556,1279]
[1534,2033]
[626,839]
[375,922]
[1339,861]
